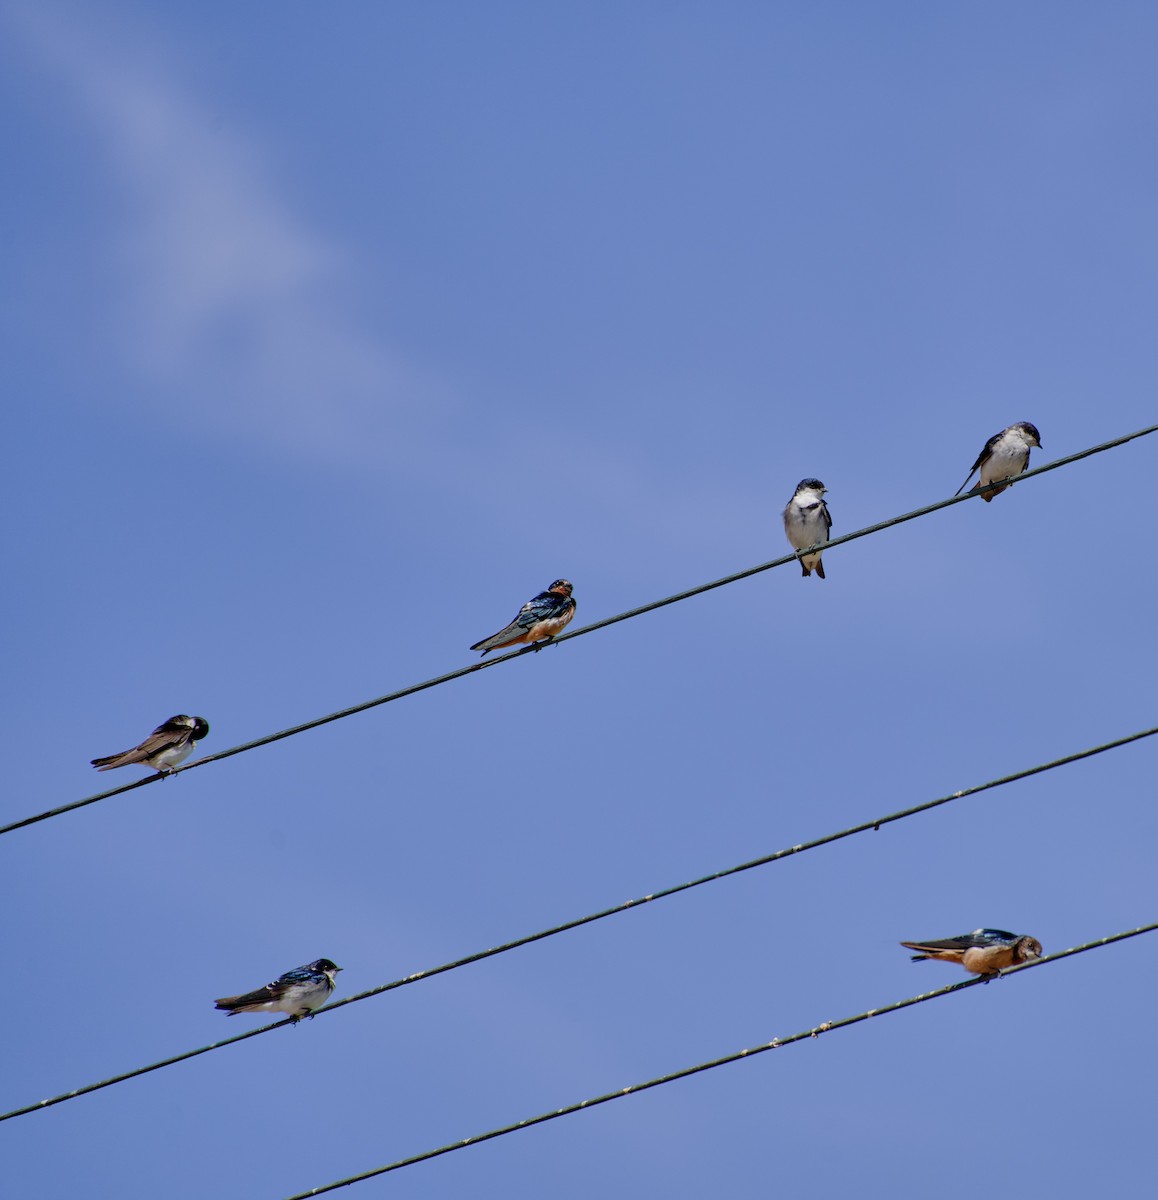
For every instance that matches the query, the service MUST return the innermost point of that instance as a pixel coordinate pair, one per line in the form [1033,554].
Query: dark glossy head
[561,587]
[810,485]
[325,966]
[1030,431]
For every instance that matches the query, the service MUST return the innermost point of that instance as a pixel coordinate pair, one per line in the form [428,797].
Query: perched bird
[984,951]
[297,992]
[164,748]
[806,522]
[540,618]
[1005,454]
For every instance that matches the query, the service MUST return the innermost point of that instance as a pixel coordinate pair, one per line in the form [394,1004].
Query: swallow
[1005,454]
[806,522]
[541,618]
[164,748]
[984,951]
[298,992]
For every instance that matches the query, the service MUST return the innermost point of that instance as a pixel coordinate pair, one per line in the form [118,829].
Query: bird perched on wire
[542,617]
[168,745]
[1005,454]
[984,951]
[806,522]
[298,992]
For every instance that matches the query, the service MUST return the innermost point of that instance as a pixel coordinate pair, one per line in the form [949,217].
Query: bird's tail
[915,946]
[964,485]
[819,567]
[499,641]
[246,1002]
[239,1004]
[113,760]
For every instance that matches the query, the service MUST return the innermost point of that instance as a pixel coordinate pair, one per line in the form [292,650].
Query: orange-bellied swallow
[164,748]
[1005,454]
[806,522]
[984,951]
[542,617]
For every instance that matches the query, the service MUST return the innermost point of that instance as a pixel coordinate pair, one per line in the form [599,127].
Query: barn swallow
[1005,454]
[297,992]
[806,522]
[540,618]
[984,951]
[164,748]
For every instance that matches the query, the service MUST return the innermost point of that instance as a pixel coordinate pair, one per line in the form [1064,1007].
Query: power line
[683,1073]
[484,664]
[578,922]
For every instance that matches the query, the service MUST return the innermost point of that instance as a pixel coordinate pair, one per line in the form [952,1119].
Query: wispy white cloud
[222,295]
[225,302]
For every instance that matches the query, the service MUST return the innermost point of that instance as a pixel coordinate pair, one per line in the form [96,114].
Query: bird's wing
[965,941]
[295,978]
[541,608]
[164,737]
[263,995]
[986,451]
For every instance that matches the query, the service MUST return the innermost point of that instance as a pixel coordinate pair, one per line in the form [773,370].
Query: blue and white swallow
[168,745]
[984,951]
[806,522]
[298,992]
[542,617]
[1005,454]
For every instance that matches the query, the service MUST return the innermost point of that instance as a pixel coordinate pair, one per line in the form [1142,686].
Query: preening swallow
[1005,454]
[542,617]
[164,748]
[984,951]
[806,522]
[298,992]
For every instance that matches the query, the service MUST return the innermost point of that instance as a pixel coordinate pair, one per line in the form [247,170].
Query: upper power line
[629,614]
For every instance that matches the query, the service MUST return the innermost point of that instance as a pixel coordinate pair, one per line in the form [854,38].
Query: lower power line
[590,918]
[683,1073]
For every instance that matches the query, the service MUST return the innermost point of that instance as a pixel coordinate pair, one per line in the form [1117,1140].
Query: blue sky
[332,335]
